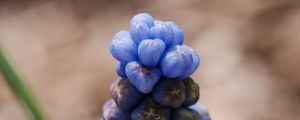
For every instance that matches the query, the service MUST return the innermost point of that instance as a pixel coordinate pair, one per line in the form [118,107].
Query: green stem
[18,86]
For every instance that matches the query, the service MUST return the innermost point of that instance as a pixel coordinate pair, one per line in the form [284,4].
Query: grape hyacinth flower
[177,60]
[195,64]
[139,32]
[163,31]
[178,35]
[155,68]
[123,48]
[141,77]
[120,69]
[150,51]
[143,18]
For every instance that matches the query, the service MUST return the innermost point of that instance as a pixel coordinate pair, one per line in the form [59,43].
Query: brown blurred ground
[250,53]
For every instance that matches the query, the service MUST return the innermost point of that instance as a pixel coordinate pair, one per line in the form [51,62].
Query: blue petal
[150,51]
[176,61]
[142,18]
[195,65]
[123,48]
[139,32]
[141,77]
[178,37]
[163,31]
[120,69]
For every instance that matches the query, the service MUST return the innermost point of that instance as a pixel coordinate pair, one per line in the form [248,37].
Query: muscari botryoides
[154,66]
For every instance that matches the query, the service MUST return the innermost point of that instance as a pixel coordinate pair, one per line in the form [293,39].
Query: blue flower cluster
[154,67]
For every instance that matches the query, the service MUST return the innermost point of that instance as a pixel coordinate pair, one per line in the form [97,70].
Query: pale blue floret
[140,27]
[120,69]
[195,65]
[150,51]
[178,37]
[142,18]
[139,32]
[123,48]
[141,77]
[163,31]
[176,61]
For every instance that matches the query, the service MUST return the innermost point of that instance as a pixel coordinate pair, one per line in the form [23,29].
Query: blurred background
[250,52]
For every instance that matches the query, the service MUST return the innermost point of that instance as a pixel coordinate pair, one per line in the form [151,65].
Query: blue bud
[143,18]
[141,77]
[139,32]
[112,112]
[178,37]
[123,48]
[120,69]
[195,65]
[163,31]
[176,61]
[150,51]
[202,110]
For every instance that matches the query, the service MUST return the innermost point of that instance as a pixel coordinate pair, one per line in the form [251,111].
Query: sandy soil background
[249,49]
